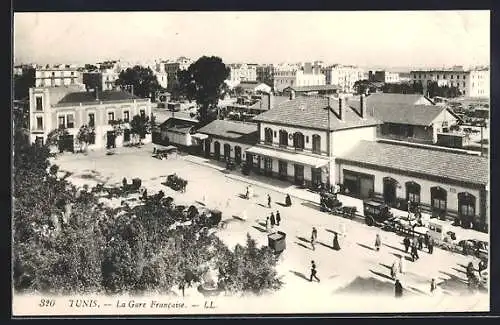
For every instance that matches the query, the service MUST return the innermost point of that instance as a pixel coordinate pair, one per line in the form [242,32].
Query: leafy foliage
[143,80]
[23,82]
[140,125]
[85,136]
[203,81]
[434,90]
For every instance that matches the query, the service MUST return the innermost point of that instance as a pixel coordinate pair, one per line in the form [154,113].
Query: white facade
[242,72]
[232,145]
[294,77]
[471,83]
[57,76]
[343,76]
[391,77]
[109,77]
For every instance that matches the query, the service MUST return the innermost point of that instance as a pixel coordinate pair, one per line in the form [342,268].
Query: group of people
[273,220]
[314,237]
[417,243]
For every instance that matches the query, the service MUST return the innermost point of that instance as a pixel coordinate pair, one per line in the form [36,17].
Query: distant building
[254,87]
[172,67]
[265,74]
[57,75]
[343,76]
[384,76]
[294,91]
[71,107]
[471,83]
[295,76]
[179,131]
[242,72]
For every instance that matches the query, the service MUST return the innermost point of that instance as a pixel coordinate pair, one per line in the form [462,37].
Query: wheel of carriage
[369,221]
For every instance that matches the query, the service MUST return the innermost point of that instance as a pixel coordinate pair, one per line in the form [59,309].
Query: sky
[363,38]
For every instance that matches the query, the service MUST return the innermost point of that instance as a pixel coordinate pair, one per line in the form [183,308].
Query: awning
[200,136]
[299,158]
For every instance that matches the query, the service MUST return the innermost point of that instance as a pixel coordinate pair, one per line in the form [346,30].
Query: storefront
[358,184]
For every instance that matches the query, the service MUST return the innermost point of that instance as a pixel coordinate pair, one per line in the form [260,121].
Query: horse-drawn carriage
[329,202]
[176,183]
[277,242]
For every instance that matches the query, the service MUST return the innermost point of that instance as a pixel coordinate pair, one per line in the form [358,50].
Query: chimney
[340,108]
[270,100]
[362,105]
[292,94]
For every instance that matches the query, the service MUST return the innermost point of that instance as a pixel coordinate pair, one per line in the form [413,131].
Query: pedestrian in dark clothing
[426,239]
[420,242]
[313,272]
[269,201]
[407,243]
[378,242]
[433,285]
[414,253]
[273,220]
[481,266]
[336,245]
[430,245]
[398,289]
[182,286]
[470,270]
[288,200]
[278,218]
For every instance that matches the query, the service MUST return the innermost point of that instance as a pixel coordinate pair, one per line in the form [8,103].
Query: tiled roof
[105,96]
[386,98]
[313,88]
[264,105]
[178,123]
[230,129]
[312,112]
[458,167]
[402,113]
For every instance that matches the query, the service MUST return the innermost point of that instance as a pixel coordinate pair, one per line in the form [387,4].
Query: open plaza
[357,269]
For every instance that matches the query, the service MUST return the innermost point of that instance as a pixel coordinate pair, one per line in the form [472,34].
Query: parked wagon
[176,183]
[378,214]
[277,242]
[329,202]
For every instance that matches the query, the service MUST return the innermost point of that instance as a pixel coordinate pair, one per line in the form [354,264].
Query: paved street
[355,269]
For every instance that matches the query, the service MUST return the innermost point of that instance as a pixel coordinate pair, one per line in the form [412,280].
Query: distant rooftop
[89,97]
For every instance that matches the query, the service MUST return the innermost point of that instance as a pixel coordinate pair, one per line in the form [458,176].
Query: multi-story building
[71,107]
[241,72]
[343,76]
[171,67]
[265,74]
[57,75]
[384,76]
[292,75]
[471,83]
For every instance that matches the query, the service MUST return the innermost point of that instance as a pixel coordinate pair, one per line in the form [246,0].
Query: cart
[329,203]
[277,242]
[377,214]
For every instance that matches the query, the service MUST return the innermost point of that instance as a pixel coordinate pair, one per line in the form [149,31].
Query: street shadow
[385,265]
[408,258]
[366,246]
[418,290]
[325,245]
[304,246]
[242,196]
[458,270]
[238,218]
[259,228]
[262,205]
[303,239]
[331,231]
[395,248]
[300,275]
[454,277]
[310,205]
[200,203]
[382,275]
[281,204]
[263,224]
[464,266]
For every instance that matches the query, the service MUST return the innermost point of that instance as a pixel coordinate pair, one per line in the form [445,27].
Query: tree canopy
[143,80]
[434,90]
[23,83]
[203,81]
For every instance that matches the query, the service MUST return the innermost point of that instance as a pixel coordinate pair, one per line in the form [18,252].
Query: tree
[23,83]
[55,136]
[90,67]
[140,125]
[85,136]
[143,80]
[238,91]
[203,81]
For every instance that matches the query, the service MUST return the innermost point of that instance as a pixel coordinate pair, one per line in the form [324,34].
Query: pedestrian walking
[269,201]
[273,220]
[430,245]
[481,266]
[470,270]
[288,200]
[433,285]
[336,245]
[414,253]
[402,265]
[314,236]
[267,224]
[398,289]
[407,243]
[426,239]
[313,272]
[278,218]
[378,242]
[420,242]
[394,269]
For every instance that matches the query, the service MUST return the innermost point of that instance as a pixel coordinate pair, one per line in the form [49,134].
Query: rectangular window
[439,204]
[275,134]
[70,121]
[39,104]
[39,123]
[451,77]
[414,197]
[111,117]
[91,120]
[467,210]
[62,122]
[126,116]
[268,164]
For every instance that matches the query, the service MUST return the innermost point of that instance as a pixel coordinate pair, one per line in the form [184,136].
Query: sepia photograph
[250,162]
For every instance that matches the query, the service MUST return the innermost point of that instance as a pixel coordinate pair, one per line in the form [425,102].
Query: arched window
[268,136]
[216,150]
[316,144]
[283,138]
[298,141]
[413,192]
[438,199]
[466,204]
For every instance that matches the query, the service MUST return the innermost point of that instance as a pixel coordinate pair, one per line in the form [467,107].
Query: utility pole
[329,146]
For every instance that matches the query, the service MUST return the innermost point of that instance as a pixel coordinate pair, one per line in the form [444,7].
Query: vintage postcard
[183,163]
